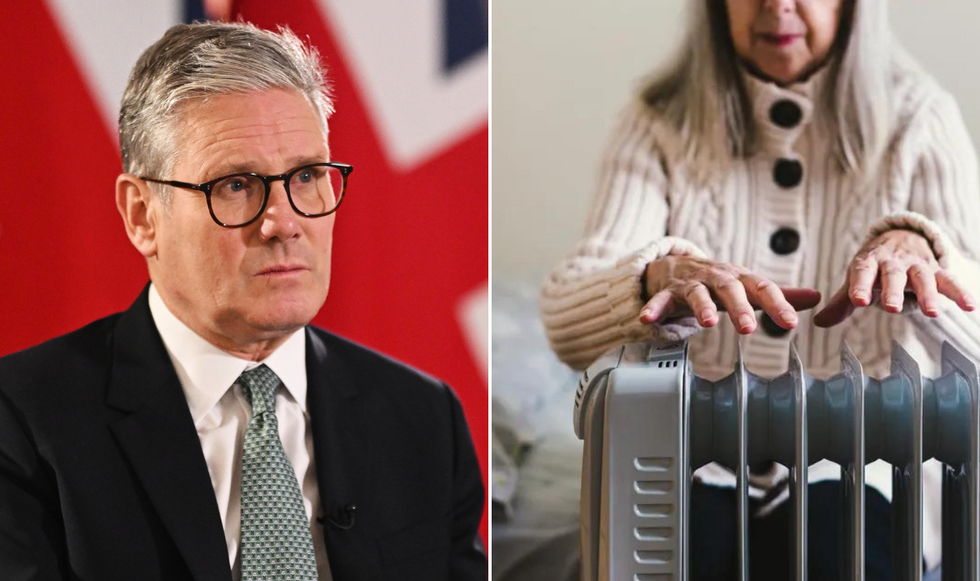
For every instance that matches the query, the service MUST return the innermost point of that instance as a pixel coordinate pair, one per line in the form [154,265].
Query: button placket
[787,173]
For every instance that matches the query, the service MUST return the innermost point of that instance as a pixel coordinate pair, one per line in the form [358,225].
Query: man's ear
[140,210]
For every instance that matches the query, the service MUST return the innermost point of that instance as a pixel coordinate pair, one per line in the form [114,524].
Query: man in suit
[208,432]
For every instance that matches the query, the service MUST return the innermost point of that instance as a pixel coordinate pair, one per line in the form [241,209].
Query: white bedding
[536,456]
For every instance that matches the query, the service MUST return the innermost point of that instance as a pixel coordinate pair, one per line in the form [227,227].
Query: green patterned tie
[275,541]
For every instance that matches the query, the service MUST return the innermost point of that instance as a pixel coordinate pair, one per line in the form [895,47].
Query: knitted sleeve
[591,300]
[944,206]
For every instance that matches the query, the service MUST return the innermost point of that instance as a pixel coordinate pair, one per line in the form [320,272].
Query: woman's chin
[781,69]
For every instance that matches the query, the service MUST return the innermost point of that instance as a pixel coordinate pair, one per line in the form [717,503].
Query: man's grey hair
[193,62]
[703,95]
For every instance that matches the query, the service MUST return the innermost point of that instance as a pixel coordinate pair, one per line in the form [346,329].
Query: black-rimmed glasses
[237,200]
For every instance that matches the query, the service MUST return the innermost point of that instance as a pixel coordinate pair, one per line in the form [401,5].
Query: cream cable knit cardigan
[646,207]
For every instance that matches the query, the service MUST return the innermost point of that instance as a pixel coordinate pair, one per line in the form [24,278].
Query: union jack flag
[410,81]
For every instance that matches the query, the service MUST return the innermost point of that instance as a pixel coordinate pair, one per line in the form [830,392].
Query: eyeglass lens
[314,190]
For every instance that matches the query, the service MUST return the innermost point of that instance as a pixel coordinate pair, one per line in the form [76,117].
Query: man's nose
[279,219]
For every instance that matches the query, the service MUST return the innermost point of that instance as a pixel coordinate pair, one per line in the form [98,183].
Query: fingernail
[892,302]
[646,313]
[861,296]
[707,315]
[745,322]
[788,316]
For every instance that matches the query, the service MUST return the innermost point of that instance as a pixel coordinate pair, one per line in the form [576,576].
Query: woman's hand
[681,285]
[888,267]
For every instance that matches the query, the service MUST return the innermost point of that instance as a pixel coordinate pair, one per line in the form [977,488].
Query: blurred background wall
[563,70]
[410,80]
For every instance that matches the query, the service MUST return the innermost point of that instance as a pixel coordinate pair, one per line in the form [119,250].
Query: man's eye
[305,176]
[235,185]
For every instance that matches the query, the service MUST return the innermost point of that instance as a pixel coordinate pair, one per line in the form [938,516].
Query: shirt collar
[206,372]
[764,94]
[807,89]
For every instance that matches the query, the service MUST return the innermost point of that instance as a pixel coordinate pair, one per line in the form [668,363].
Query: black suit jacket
[102,476]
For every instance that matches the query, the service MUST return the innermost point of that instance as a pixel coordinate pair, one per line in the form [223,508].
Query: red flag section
[64,256]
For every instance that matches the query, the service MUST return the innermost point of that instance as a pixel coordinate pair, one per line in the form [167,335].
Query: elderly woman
[792,152]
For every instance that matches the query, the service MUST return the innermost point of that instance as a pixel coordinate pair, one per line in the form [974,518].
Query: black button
[771,328]
[788,173]
[785,113]
[784,241]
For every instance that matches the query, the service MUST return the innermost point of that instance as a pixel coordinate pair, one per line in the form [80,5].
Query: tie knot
[259,386]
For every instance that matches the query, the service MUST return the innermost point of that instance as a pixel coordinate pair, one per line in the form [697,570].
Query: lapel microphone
[344,518]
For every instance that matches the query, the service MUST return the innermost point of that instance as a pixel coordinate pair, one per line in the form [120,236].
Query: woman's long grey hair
[702,93]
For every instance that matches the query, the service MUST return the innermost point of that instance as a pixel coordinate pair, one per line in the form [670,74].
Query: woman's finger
[947,285]
[923,283]
[659,305]
[893,282]
[766,295]
[731,294]
[698,299]
[861,277]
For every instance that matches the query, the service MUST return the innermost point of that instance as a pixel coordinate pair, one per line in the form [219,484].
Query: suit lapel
[341,441]
[159,440]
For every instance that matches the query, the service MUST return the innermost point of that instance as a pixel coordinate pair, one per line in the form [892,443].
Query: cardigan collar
[781,114]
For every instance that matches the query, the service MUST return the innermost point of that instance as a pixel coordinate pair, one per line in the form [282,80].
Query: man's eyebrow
[297,162]
[224,170]
[249,167]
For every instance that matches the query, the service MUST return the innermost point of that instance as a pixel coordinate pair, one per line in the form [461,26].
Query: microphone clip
[344,518]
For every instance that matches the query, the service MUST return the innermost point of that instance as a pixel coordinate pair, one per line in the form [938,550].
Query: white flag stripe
[107,36]
[473,313]
[420,109]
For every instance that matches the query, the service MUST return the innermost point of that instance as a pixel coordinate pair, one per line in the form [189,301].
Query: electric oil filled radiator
[648,422]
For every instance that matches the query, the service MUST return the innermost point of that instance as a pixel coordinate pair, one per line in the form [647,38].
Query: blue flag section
[465,30]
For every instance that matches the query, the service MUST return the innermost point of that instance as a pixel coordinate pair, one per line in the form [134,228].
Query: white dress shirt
[221,414]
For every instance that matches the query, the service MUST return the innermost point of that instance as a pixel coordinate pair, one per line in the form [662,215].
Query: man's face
[262,281]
